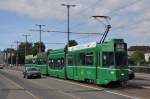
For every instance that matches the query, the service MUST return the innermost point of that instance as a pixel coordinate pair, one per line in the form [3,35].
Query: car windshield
[31,69]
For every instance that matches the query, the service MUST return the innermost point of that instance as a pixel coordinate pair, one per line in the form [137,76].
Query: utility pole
[11,54]
[17,44]
[26,41]
[68,14]
[40,31]
[68,36]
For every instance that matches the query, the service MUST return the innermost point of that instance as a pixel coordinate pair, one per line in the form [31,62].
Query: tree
[138,57]
[21,48]
[71,43]
[9,52]
[36,48]
[21,51]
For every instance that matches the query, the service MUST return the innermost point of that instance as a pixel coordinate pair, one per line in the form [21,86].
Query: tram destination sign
[84,46]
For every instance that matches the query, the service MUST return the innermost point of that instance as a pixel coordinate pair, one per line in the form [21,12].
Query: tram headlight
[112,72]
[122,74]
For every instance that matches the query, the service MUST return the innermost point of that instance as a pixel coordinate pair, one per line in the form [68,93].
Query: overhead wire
[123,7]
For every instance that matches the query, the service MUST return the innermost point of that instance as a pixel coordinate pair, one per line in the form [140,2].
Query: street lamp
[68,14]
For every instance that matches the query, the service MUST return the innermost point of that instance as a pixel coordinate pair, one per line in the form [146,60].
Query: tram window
[33,61]
[59,63]
[108,59]
[82,58]
[55,64]
[39,62]
[121,58]
[89,59]
[70,60]
[52,64]
[62,63]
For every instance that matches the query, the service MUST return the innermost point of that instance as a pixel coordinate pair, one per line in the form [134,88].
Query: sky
[130,20]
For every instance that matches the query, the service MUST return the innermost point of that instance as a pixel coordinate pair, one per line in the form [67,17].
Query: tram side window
[89,58]
[62,62]
[70,60]
[82,59]
[51,64]
[86,59]
[33,61]
[39,62]
[108,59]
[55,64]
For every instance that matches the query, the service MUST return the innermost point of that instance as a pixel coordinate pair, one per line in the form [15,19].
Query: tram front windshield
[121,59]
[121,55]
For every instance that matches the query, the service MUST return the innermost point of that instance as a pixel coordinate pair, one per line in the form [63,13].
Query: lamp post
[68,15]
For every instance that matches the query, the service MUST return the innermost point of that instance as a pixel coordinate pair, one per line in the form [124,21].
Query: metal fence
[140,69]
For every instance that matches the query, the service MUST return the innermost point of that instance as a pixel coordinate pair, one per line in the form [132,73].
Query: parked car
[131,74]
[1,66]
[31,72]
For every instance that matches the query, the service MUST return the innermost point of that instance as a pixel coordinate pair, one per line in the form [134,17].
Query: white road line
[12,82]
[116,93]
[146,87]
[68,94]
[95,88]
[31,94]
[77,84]
[20,87]
[75,97]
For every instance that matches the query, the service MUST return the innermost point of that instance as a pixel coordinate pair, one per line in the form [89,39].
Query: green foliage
[71,43]
[36,48]
[21,48]
[138,57]
[30,50]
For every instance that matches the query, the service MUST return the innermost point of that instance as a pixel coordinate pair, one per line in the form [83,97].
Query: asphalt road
[14,86]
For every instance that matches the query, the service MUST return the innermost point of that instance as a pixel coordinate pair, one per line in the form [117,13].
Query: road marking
[77,84]
[116,93]
[31,94]
[96,88]
[68,94]
[112,92]
[12,82]
[146,87]
[59,91]
[19,87]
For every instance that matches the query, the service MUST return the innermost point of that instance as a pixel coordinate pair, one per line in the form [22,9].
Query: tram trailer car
[39,62]
[30,61]
[99,63]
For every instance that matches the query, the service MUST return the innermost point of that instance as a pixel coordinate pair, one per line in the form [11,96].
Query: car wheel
[40,76]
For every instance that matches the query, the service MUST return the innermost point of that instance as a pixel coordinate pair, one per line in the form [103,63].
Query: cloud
[131,16]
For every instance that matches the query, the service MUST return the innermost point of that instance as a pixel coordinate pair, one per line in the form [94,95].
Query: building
[147,56]
[144,49]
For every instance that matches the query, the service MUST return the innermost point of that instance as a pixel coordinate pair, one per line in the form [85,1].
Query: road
[14,86]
